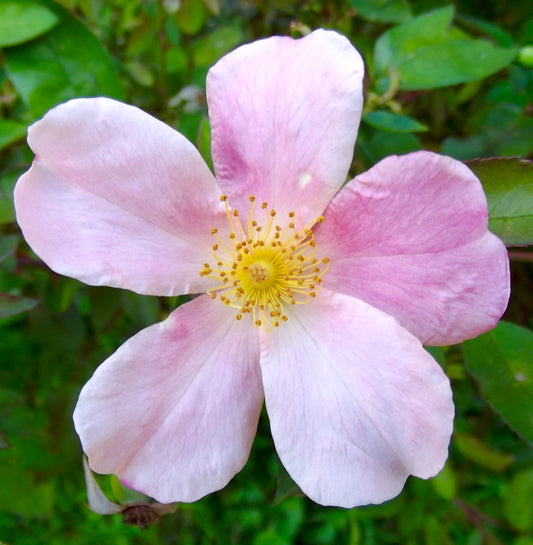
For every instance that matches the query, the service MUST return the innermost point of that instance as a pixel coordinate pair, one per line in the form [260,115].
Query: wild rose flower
[319,308]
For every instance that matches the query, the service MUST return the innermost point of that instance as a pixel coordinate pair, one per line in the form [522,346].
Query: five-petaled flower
[316,299]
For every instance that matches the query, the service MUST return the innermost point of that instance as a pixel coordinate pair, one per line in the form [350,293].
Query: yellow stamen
[261,268]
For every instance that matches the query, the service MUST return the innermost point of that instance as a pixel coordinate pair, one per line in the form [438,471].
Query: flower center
[261,268]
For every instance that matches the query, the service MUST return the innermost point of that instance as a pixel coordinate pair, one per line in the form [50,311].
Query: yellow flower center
[262,268]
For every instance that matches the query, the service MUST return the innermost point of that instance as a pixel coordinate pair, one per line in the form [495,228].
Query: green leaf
[438,354]
[8,246]
[525,56]
[508,183]
[140,73]
[526,32]
[213,6]
[23,20]
[399,43]
[10,131]
[435,531]
[209,49]
[385,11]
[459,61]
[464,149]
[500,361]
[412,51]
[478,451]
[445,483]
[523,540]
[67,62]
[517,506]
[12,304]
[383,143]
[21,494]
[490,30]
[176,60]
[285,487]
[141,307]
[191,16]
[385,510]
[293,510]
[269,537]
[389,121]
[7,210]
[22,491]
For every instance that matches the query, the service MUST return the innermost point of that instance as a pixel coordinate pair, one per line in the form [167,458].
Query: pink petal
[355,403]
[284,116]
[410,237]
[174,410]
[116,197]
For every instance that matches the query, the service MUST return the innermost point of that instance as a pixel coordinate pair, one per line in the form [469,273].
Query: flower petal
[284,116]
[116,197]
[173,412]
[355,403]
[410,237]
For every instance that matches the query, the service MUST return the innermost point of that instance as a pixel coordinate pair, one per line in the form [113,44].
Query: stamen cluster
[263,267]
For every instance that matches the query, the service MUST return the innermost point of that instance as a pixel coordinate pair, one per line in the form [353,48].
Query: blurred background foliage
[451,78]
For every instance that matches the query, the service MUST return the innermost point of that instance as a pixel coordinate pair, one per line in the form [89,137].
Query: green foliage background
[451,78]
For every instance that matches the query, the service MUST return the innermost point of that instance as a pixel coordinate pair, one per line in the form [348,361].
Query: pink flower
[324,319]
